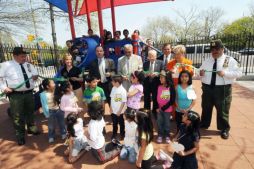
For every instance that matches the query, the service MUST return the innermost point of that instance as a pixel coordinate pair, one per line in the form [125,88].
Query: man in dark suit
[103,68]
[152,68]
[166,56]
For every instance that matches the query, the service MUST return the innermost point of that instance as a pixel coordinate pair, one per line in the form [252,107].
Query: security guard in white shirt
[217,74]
[12,74]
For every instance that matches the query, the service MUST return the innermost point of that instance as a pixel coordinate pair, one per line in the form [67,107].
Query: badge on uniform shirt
[29,67]
[226,61]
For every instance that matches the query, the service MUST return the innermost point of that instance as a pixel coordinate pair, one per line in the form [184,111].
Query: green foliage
[243,25]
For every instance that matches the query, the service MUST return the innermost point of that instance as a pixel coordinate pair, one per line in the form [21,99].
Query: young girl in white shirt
[77,140]
[96,140]
[130,140]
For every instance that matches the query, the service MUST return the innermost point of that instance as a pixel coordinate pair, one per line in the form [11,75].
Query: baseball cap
[18,51]
[216,44]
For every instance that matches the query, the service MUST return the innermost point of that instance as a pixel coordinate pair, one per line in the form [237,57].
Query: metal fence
[44,59]
[241,47]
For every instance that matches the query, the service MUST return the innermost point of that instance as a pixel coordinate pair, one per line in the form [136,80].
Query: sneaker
[116,142]
[51,140]
[159,139]
[88,148]
[165,157]
[167,164]
[63,136]
[168,140]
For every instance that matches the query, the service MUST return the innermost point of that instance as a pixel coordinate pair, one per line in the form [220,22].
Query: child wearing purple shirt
[136,90]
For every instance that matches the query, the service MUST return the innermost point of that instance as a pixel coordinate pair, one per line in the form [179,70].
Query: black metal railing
[43,59]
[241,47]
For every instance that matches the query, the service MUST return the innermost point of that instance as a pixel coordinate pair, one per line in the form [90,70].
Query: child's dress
[187,140]
[80,141]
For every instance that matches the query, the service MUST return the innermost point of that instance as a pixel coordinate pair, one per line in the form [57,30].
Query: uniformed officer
[217,74]
[12,74]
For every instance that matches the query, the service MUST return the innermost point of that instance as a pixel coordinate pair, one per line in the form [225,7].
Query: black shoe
[113,137]
[21,141]
[202,126]
[224,134]
[122,137]
[33,132]
[9,112]
[116,142]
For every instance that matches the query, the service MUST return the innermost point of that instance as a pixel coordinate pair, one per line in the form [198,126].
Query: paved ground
[235,153]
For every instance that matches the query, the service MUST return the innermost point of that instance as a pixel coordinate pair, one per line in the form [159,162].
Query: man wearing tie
[166,56]
[217,74]
[127,64]
[103,68]
[152,68]
[12,74]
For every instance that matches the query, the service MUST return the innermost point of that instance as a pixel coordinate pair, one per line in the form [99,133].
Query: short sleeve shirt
[149,149]
[118,96]
[74,72]
[96,94]
[134,101]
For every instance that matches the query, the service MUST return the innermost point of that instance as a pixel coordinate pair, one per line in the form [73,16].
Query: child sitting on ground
[130,143]
[146,158]
[96,140]
[77,140]
[189,137]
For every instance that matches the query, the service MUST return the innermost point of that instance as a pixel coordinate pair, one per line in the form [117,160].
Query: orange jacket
[171,64]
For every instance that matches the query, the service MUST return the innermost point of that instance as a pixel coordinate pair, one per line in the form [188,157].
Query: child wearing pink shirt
[165,98]
[69,102]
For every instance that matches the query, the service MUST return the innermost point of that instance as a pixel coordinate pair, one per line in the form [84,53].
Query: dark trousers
[220,97]
[118,120]
[22,107]
[151,88]
[179,116]
[186,162]
[107,86]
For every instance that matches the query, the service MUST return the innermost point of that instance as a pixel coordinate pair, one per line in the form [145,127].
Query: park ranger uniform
[21,99]
[217,91]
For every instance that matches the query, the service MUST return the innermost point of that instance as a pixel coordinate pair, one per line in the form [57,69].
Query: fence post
[247,61]
[2,58]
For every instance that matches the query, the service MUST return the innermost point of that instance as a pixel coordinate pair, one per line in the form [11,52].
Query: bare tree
[158,29]
[15,17]
[211,19]
[186,24]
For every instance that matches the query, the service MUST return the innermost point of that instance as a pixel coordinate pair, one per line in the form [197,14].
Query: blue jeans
[56,115]
[163,122]
[128,152]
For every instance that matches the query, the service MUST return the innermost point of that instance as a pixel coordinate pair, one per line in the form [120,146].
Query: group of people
[164,81]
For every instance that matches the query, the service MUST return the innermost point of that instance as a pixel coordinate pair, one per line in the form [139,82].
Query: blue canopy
[61,4]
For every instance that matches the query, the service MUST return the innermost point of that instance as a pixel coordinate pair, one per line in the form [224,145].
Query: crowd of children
[136,127]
